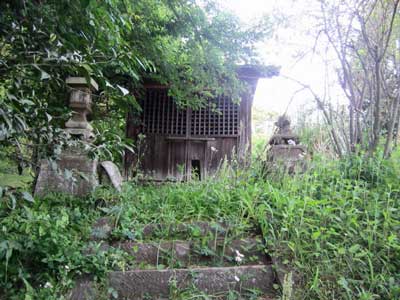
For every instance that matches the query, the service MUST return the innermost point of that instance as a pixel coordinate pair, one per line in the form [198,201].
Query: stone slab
[157,253]
[138,284]
[252,250]
[113,174]
[288,152]
[82,81]
[185,253]
[84,289]
[84,172]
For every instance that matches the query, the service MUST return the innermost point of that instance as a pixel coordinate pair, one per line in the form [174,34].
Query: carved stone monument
[80,102]
[285,150]
[75,173]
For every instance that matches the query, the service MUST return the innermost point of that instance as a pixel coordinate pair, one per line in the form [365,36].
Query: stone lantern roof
[284,136]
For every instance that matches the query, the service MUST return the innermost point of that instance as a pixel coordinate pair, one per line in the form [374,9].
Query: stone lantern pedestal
[74,173]
[285,151]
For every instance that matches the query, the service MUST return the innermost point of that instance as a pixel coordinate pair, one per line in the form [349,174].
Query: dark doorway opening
[196,169]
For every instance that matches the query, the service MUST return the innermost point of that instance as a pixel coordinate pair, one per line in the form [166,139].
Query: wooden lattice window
[161,115]
[219,117]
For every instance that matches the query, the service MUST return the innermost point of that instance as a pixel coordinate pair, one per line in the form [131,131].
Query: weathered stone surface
[252,250]
[288,152]
[242,251]
[287,276]
[111,171]
[84,290]
[80,101]
[182,251]
[84,134]
[74,160]
[82,81]
[83,181]
[285,153]
[291,158]
[157,283]
[157,253]
[283,139]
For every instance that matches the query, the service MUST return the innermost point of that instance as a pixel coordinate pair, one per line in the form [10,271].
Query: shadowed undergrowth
[338,225]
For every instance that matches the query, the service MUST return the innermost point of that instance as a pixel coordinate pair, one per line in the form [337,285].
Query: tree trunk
[392,122]
[376,126]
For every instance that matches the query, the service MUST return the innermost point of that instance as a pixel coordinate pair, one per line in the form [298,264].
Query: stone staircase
[201,258]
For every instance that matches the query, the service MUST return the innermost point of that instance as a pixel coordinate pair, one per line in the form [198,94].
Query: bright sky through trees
[287,50]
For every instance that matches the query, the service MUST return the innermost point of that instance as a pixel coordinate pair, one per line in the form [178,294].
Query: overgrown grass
[9,176]
[224,200]
[337,225]
[41,247]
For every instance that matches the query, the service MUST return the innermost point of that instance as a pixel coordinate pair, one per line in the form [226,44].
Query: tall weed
[337,225]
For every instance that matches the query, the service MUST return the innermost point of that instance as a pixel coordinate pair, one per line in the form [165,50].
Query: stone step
[197,228]
[102,230]
[185,253]
[218,281]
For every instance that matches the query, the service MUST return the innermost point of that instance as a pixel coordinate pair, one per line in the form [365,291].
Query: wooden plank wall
[165,158]
[170,149]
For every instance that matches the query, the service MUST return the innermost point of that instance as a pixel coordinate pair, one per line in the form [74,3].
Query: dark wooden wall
[166,157]
[171,146]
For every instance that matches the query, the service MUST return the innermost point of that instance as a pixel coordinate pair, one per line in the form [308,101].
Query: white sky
[283,50]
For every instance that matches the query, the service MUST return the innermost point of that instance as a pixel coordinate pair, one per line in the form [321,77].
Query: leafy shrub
[41,248]
[338,225]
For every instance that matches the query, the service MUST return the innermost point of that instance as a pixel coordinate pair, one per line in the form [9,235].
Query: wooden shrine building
[182,142]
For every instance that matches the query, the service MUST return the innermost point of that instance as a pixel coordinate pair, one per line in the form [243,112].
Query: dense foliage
[337,225]
[194,49]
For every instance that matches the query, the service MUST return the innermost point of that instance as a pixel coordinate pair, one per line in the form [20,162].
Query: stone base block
[289,157]
[58,178]
[84,290]
[153,284]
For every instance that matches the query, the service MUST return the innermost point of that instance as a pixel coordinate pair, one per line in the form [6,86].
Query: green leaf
[123,90]
[140,63]
[27,102]
[52,37]
[27,196]
[353,249]
[109,84]
[316,235]
[49,118]
[44,75]
[13,200]
[85,3]
[87,68]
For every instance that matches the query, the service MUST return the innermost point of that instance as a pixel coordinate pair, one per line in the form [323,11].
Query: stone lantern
[75,173]
[285,150]
[80,101]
